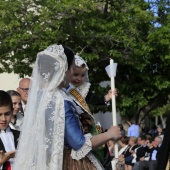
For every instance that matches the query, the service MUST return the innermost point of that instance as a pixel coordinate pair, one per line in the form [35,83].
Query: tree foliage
[126,30]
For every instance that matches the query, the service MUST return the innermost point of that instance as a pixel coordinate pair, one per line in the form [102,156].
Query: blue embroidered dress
[74,139]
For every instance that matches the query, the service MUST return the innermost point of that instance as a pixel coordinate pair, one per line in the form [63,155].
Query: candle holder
[111,69]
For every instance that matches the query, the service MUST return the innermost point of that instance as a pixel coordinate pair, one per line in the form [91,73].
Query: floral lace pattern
[41,141]
[85,151]
[80,61]
[84,89]
[38,143]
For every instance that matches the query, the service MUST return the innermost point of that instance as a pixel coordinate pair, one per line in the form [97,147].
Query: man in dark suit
[8,137]
[165,148]
[152,163]
[140,151]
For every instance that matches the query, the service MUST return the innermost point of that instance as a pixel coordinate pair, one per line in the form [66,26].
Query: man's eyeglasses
[24,89]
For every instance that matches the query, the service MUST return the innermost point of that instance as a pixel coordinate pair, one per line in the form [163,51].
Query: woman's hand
[114,133]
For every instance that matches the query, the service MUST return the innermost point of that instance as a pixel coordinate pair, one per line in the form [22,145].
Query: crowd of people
[138,149]
[139,152]
[46,123]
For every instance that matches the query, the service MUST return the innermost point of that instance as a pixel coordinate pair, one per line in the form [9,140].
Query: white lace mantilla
[41,140]
[38,143]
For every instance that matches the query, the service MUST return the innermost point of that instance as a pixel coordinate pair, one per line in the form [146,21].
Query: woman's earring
[64,82]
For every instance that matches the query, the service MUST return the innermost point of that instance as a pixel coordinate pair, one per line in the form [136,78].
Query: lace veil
[84,88]
[42,138]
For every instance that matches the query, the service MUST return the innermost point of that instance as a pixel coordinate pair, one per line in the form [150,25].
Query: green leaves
[98,30]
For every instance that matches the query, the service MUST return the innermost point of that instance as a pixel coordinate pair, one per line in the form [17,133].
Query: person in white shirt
[134,129]
[123,143]
[8,136]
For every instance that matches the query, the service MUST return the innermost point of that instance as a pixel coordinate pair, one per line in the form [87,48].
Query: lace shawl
[42,137]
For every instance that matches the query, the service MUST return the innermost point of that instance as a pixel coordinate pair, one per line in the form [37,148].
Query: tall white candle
[113,103]
[113,96]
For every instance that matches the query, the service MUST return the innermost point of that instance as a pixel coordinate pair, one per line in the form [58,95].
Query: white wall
[9,81]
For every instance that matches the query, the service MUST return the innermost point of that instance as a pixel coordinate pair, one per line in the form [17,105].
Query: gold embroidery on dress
[80,99]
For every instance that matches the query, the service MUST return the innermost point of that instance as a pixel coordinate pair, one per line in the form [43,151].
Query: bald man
[23,90]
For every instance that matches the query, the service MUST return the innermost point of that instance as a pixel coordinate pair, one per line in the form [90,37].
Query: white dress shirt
[7,138]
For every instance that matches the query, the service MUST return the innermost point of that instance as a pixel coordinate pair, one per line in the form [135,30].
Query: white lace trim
[95,162]
[67,97]
[84,150]
[84,89]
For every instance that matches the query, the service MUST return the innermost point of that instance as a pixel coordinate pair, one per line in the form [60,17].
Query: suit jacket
[16,137]
[153,149]
[22,110]
[141,151]
[164,152]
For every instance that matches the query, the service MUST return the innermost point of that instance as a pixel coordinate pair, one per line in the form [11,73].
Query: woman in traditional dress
[52,136]
[79,91]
